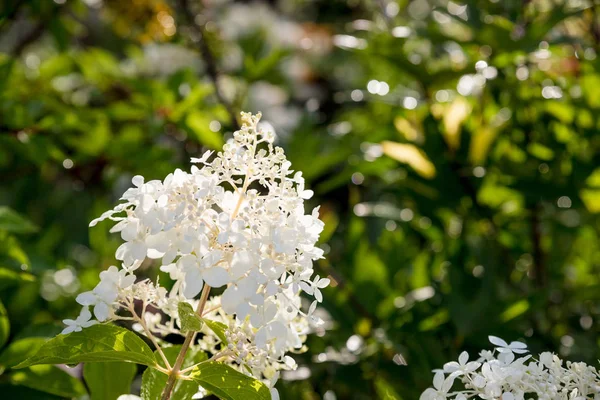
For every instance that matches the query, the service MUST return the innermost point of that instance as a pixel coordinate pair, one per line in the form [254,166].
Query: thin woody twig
[539,266]
[174,373]
[31,36]
[208,58]
[36,32]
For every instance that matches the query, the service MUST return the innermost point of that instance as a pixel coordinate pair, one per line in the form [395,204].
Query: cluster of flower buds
[235,222]
[508,373]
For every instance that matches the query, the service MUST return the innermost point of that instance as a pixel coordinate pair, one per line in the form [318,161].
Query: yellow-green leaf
[198,123]
[411,155]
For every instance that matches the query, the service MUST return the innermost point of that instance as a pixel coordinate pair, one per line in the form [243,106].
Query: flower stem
[149,334]
[166,395]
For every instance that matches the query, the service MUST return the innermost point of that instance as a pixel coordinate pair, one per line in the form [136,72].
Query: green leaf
[20,350]
[190,321]
[198,123]
[4,325]
[12,221]
[98,343]
[385,391]
[218,328]
[540,151]
[109,380]
[229,384]
[49,379]
[191,101]
[5,70]
[10,278]
[25,393]
[11,248]
[154,381]
[513,311]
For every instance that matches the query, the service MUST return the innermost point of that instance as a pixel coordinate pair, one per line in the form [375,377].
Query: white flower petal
[215,277]
[497,341]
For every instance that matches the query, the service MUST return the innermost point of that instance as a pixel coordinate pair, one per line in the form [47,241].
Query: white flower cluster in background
[235,222]
[509,373]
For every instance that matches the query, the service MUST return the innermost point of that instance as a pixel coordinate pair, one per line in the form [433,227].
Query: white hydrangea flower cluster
[242,351]
[502,375]
[236,222]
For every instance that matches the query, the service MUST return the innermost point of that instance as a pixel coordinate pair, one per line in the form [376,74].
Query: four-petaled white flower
[463,366]
[82,321]
[315,286]
[503,347]
[441,387]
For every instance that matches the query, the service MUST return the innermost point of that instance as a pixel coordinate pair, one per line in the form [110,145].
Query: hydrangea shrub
[508,373]
[235,223]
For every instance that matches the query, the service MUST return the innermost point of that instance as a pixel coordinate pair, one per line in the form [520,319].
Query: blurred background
[452,145]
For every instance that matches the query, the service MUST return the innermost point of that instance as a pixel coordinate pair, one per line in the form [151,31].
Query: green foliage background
[453,147]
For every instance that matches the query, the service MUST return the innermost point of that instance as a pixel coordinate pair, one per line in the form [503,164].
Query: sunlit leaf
[218,328]
[227,383]
[190,320]
[454,116]
[540,151]
[411,155]
[437,319]
[406,128]
[199,124]
[591,199]
[514,310]
[480,145]
[98,343]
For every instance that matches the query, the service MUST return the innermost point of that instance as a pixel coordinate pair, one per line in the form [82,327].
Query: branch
[594,26]
[29,38]
[208,58]
[149,334]
[174,373]
[11,13]
[37,31]
[539,266]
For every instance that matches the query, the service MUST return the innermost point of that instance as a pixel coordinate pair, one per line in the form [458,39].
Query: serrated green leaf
[109,380]
[98,343]
[218,328]
[154,381]
[12,221]
[190,321]
[49,379]
[229,384]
